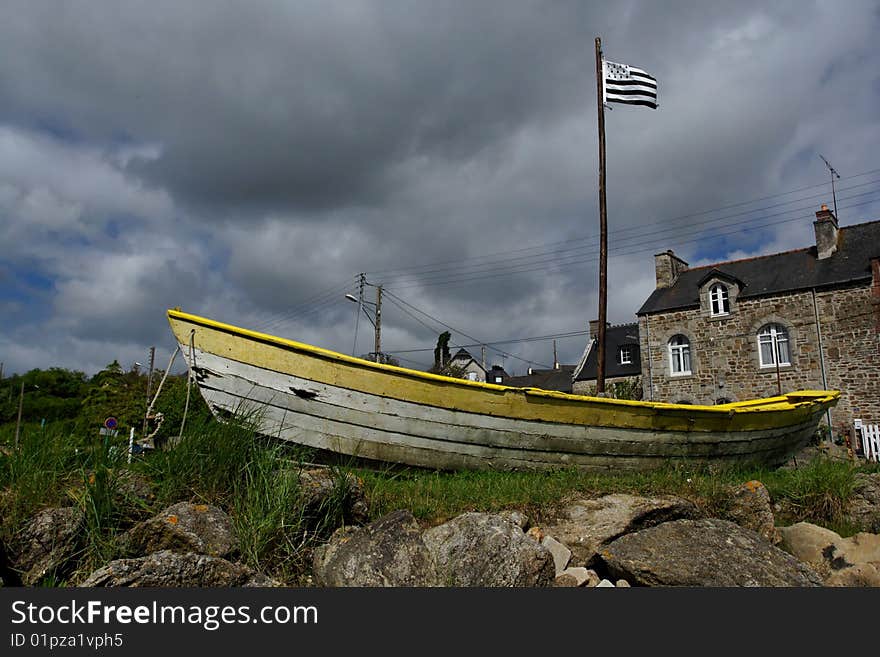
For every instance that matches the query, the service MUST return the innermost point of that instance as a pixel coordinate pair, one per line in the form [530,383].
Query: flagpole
[603,229]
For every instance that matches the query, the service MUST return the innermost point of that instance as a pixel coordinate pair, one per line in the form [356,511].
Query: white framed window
[773,346]
[471,376]
[719,300]
[625,355]
[679,355]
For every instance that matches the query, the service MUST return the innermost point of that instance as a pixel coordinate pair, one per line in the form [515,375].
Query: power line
[658,222]
[668,234]
[589,256]
[469,337]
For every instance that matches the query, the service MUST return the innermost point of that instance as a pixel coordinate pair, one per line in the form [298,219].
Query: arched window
[679,355]
[773,346]
[719,300]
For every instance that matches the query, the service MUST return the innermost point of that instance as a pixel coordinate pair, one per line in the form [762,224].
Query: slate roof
[462,354]
[559,380]
[615,336]
[780,272]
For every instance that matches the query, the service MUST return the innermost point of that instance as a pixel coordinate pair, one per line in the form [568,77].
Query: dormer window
[719,300]
[625,355]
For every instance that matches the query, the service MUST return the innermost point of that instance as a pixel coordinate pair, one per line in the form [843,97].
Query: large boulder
[174,569]
[707,552]
[482,549]
[184,527]
[853,561]
[864,504]
[585,525]
[750,508]
[47,544]
[387,552]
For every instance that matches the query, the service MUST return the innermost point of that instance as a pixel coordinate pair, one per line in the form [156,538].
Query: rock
[585,525]
[750,508]
[482,549]
[605,584]
[536,533]
[135,487]
[861,575]
[561,554]
[184,527]
[387,552]
[622,584]
[566,580]
[840,561]
[518,518]
[864,504]
[707,552]
[578,576]
[322,488]
[47,544]
[173,569]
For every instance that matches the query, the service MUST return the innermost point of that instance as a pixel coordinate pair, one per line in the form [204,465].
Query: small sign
[108,432]
[110,423]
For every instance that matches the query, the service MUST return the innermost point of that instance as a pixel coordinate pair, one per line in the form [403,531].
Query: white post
[130,444]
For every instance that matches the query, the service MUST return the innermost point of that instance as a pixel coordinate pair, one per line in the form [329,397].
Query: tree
[441,352]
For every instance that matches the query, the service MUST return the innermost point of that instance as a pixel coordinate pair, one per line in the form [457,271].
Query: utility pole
[149,389]
[603,229]
[834,175]
[555,360]
[483,356]
[18,422]
[378,321]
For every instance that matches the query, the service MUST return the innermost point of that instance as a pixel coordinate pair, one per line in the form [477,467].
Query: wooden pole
[149,390]
[18,421]
[603,227]
[378,321]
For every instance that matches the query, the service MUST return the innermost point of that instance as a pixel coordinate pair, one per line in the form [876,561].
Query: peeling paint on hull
[331,401]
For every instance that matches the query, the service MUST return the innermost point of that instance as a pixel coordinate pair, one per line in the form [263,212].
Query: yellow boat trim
[507,401]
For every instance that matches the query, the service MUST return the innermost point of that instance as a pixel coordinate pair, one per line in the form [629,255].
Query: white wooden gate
[870,435]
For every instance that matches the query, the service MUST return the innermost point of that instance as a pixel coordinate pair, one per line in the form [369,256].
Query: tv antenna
[834,175]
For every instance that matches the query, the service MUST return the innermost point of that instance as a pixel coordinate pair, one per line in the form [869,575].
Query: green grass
[256,481]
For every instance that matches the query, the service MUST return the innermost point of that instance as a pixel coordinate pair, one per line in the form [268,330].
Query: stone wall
[724,351]
[588,387]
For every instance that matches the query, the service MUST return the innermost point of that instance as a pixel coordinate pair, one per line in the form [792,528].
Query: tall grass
[257,481]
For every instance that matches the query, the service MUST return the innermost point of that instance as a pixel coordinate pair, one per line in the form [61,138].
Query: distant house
[496,374]
[470,368]
[559,379]
[802,319]
[622,358]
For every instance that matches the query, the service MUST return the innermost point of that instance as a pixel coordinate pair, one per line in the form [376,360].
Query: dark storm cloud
[297,105]
[245,159]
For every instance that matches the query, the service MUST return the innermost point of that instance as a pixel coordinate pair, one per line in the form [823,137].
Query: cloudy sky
[247,160]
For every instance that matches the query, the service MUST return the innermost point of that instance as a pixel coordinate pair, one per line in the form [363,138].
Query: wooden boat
[327,400]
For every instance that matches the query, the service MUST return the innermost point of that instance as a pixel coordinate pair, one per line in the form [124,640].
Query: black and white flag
[628,84]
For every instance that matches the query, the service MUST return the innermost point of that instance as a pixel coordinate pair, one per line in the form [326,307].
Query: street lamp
[377,322]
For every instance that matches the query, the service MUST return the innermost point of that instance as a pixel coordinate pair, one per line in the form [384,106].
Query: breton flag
[628,84]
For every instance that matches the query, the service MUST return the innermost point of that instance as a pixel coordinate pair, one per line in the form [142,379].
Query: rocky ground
[610,541]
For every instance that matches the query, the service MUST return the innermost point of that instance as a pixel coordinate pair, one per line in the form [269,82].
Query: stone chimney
[667,267]
[594,328]
[826,232]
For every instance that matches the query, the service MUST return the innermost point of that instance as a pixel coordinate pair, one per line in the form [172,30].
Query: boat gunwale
[785,402]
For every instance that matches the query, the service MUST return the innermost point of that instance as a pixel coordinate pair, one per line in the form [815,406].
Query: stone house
[622,358]
[802,319]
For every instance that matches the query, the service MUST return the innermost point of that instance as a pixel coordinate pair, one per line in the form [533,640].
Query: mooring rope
[160,417]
